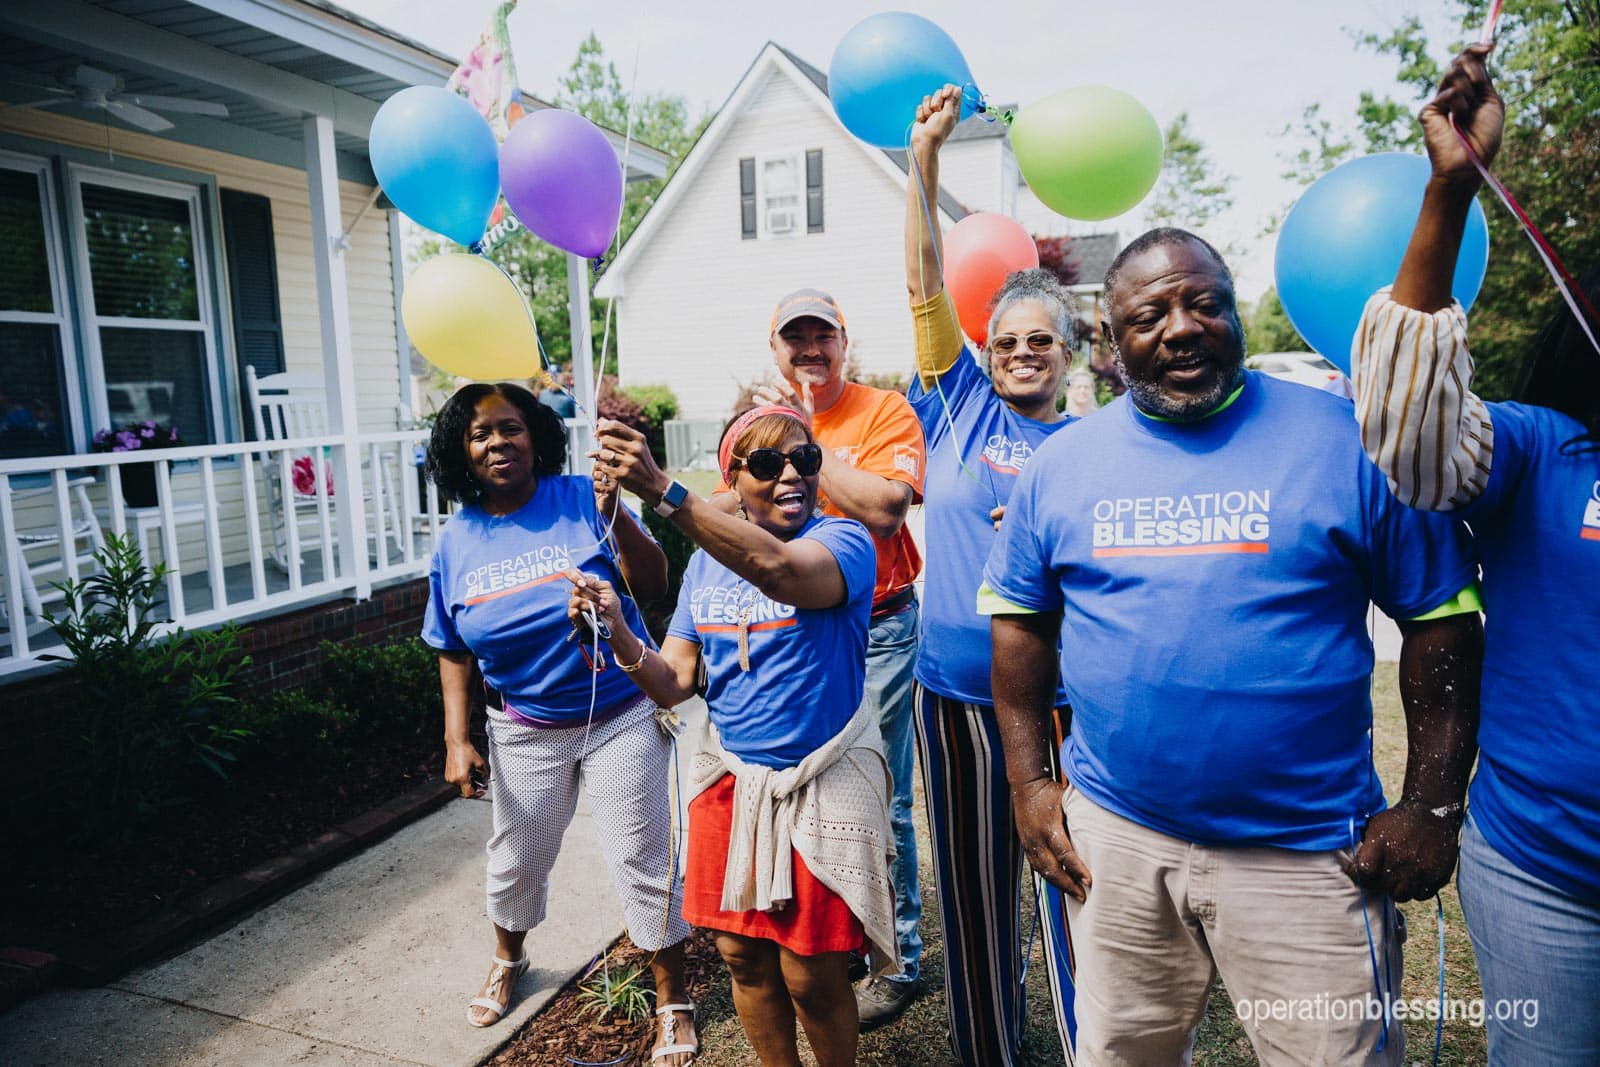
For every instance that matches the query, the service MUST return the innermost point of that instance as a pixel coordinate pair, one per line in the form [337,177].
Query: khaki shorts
[1283,928]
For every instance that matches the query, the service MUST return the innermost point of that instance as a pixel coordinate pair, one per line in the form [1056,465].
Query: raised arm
[1420,422]
[801,572]
[938,338]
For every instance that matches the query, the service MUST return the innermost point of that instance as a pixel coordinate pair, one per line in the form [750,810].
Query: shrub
[292,728]
[149,710]
[658,402]
[390,692]
[644,407]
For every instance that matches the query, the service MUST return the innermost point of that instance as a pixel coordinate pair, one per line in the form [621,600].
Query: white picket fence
[228,523]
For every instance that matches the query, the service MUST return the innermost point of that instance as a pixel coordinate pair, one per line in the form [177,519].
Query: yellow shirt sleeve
[1469,599]
[992,603]
[938,337]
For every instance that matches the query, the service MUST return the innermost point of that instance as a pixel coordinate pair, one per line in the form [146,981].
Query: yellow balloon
[468,319]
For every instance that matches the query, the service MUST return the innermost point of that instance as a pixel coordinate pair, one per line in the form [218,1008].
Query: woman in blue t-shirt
[981,429]
[498,603]
[789,839]
[1526,476]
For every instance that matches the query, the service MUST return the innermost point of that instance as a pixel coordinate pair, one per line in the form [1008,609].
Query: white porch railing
[266,548]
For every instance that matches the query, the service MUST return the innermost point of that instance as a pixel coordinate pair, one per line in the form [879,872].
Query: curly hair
[1035,286]
[447,447]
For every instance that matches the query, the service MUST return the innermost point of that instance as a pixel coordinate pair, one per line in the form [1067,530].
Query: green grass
[919,1036]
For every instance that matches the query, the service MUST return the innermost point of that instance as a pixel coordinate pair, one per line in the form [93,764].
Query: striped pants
[980,867]
[623,765]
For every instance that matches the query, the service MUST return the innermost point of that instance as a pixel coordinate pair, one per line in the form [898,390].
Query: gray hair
[1036,286]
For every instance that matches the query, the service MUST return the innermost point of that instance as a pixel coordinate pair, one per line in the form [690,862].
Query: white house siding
[367,266]
[969,170]
[698,299]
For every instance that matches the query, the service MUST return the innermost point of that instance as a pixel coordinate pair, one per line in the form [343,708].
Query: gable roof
[1095,252]
[813,83]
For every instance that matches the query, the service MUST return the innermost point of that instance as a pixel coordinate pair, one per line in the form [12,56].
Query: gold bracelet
[644,650]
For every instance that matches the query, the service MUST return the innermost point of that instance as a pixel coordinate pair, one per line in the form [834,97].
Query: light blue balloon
[437,159]
[884,67]
[1343,241]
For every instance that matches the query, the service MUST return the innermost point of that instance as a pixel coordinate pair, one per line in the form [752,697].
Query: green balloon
[1089,153]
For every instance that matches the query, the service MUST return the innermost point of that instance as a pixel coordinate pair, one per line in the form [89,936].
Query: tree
[593,88]
[1546,64]
[1191,192]
[1268,328]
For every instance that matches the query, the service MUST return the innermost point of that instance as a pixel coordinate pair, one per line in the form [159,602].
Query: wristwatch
[673,498]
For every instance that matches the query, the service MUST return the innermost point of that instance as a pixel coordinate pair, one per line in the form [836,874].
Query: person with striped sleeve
[1526,475]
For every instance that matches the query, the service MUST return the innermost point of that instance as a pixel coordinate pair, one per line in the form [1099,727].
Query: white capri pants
[622,764]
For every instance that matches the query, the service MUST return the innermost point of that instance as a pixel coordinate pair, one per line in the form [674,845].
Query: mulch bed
[83,891]
[563,1034]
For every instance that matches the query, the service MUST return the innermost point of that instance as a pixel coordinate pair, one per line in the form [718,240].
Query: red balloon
[980,252]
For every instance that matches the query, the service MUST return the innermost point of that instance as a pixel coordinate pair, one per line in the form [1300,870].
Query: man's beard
[1148,394]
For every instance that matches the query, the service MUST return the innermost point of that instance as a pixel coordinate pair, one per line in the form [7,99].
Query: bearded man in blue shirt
[1208,565]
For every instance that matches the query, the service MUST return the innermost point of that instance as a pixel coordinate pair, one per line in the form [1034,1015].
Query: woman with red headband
[789,840]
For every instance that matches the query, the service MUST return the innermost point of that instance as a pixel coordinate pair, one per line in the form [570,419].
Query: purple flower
[100,438]
[127,441]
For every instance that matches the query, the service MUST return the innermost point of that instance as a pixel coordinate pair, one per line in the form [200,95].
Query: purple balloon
[563,180]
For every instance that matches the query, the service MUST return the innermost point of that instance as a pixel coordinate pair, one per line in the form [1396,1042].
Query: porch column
[583,380]
[338,354]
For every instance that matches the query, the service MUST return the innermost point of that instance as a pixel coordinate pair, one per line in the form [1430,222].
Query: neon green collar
[1216,410]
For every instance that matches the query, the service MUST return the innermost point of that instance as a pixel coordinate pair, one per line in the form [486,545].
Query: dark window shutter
[747,198]
[253,283]
[814,191]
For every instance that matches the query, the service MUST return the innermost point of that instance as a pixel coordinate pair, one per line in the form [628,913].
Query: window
[36,413]
[145,291]
[814,191]
[747,199]
[780,195]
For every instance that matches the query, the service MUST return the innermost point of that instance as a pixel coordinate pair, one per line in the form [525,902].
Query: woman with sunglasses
[982,417]
[497,602]
[789,838]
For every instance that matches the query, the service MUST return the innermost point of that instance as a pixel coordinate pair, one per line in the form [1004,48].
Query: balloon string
[914,174]
[1570,290]
[1487,35]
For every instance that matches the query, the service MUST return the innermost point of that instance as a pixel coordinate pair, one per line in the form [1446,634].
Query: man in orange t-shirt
[872,469]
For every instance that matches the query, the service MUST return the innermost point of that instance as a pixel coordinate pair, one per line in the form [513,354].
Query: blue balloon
[437,159]
[884,67]
[1343,241]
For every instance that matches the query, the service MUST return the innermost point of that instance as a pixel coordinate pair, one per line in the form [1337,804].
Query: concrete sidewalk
[371,963]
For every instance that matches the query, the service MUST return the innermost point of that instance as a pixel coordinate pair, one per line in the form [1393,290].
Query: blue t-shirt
[994,443]
[807,667]
[497,588]
[1536,797]
[1214,579]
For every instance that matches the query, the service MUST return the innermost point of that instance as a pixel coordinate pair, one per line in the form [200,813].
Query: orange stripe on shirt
[515,588]
[1589,533]
[1251,547]
[774,624]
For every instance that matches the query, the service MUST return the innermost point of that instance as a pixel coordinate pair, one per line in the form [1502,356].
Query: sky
[1241,69]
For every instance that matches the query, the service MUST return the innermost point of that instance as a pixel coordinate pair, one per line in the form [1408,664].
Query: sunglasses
[1006,343]
[766,464]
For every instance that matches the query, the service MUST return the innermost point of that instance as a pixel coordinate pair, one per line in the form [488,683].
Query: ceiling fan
[90,87]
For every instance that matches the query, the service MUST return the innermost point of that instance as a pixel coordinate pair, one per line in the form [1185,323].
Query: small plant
[615,991]
[389,692]
[149,707]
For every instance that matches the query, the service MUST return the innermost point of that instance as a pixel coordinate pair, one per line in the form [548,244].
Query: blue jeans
[891,657]
[1538,954]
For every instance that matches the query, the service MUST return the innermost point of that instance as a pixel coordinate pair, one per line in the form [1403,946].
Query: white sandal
[505,973]
[669,1033]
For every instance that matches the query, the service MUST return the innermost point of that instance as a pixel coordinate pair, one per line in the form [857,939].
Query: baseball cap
[804,303]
